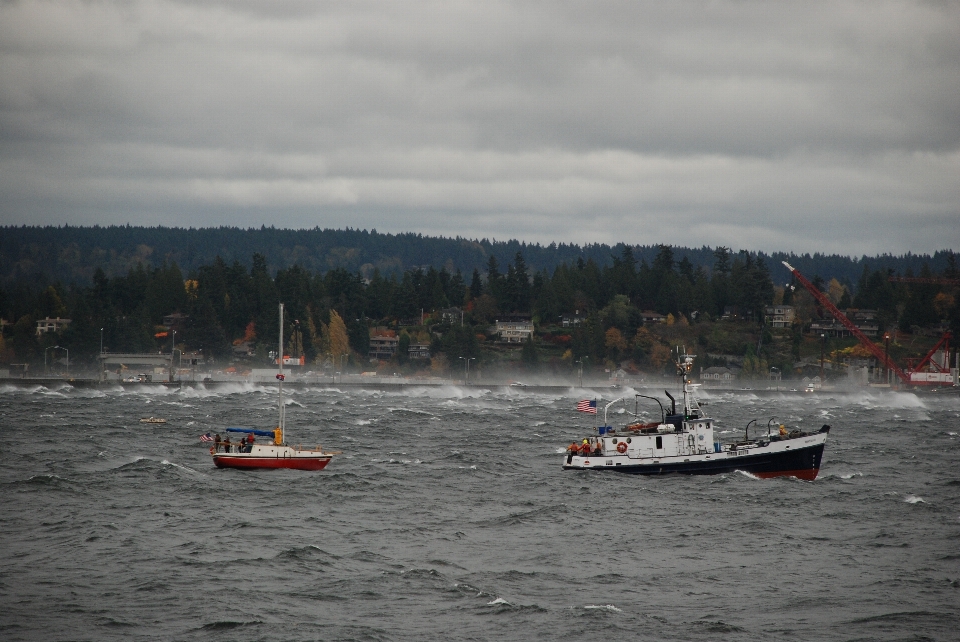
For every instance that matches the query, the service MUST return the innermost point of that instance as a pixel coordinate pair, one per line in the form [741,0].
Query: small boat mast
[280,377]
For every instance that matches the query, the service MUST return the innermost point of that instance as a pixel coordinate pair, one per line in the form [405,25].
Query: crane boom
[848,324]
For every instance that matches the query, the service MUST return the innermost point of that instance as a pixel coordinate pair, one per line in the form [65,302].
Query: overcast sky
[806,127]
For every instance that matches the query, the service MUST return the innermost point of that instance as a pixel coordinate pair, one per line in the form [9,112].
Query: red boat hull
[295,463]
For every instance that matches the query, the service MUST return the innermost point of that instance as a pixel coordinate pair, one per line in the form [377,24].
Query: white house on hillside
[514,331]
[51,325]
[717,373]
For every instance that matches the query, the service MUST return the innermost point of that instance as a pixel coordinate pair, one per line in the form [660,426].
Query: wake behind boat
[277,454]
[685,443]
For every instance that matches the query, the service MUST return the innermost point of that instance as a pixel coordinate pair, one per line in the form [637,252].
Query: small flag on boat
[206,437]
[588,405]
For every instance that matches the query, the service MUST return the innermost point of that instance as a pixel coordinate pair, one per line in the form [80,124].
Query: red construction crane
[874,349]
[938,368]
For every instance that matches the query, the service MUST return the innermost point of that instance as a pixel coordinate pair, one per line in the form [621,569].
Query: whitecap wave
[90,393]
[412,411]
[223,390]
[498,601]
[603,607]
[888,400]
[181,467]
[149,390]
[913,499]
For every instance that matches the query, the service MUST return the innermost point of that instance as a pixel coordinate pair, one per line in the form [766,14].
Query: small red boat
[274,456]
[247,453]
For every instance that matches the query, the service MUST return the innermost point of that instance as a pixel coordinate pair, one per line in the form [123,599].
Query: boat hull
[803,463]
[241,460]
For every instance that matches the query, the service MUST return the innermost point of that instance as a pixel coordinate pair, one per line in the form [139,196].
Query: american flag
[588,405]
[207,437]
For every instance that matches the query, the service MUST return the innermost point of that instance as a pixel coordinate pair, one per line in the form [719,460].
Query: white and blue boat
[684,443]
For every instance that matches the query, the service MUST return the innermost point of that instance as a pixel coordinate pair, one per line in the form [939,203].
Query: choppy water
[448,517]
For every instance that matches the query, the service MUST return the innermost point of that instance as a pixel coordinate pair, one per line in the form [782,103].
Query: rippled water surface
[448,517]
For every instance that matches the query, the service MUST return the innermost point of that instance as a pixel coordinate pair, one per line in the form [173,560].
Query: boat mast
[280,379]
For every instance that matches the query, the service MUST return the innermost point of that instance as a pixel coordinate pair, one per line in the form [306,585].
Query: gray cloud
[830,127]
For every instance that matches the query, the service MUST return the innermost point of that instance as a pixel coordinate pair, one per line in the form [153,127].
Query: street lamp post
[886,354]
[466,368]
[580,363]
[46,370]
[777,370]
[68,360]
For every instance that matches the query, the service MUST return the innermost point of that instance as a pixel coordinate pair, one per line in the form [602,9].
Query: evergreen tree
[508,293]
[403,348]
[359,336]
[720,281]
[529,356]
[494,286]
[667,291]
[476,286]
[50,304]
[204,332]
[522,279]
[457,290]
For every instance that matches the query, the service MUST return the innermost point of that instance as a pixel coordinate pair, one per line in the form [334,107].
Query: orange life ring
[622,447]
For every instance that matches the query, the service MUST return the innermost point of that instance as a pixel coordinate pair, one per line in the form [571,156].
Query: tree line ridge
[72,254]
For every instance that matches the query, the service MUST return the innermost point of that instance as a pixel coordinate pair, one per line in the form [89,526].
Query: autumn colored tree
[615,343]
[660,355]
[337,336]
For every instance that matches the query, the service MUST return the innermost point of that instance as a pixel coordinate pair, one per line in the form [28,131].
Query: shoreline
[607,389]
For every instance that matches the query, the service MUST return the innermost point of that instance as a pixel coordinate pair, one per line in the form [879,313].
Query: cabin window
[659,442]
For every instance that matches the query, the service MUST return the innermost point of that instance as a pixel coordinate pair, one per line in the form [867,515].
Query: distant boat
[275,454]
[153,420]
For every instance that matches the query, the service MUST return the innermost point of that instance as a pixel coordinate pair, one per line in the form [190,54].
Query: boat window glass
[659,442]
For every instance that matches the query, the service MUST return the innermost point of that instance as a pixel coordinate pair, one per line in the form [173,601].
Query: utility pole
[823,342]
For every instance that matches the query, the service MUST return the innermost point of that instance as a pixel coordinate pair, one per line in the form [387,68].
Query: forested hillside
[334,311]
[73,254]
